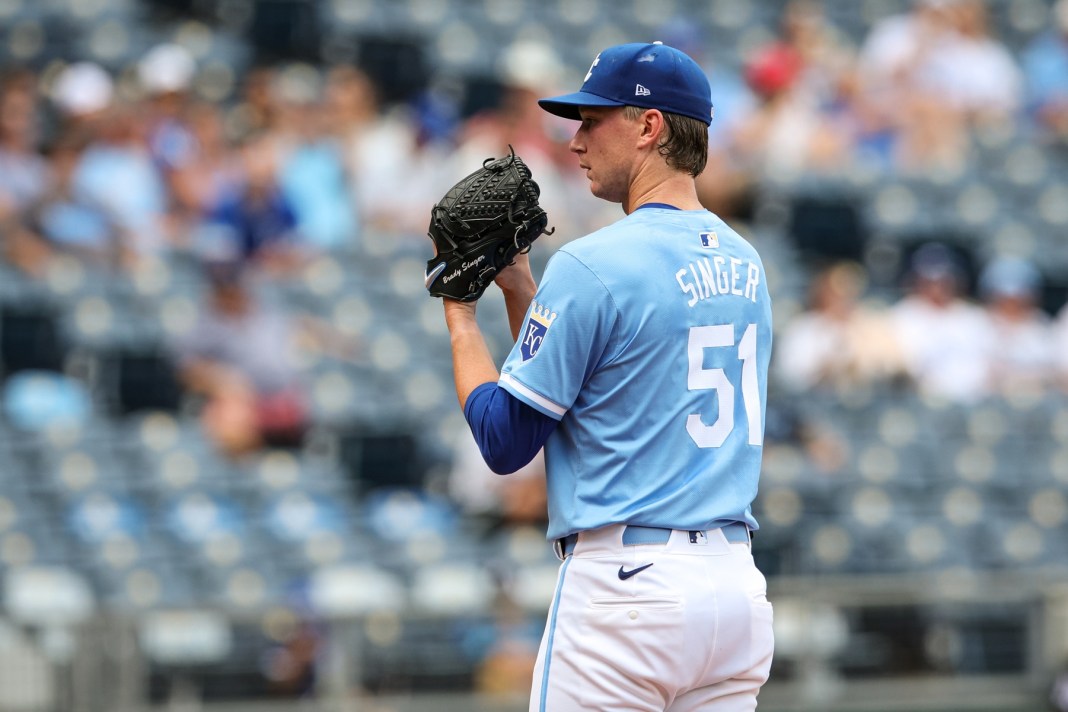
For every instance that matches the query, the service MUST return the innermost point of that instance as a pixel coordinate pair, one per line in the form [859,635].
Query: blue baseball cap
[1009,277]
[650,76]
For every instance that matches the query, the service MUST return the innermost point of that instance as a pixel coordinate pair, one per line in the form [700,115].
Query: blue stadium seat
[198,517]
[297,517]
[398,514]
[99,516]
[34,401]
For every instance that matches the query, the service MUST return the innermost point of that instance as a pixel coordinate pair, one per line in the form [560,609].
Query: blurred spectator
[1060,334]
[117,173]
[254,215]
[908,126]
[1022,354]
[888,59]
[826,55]
[797,125]
[839,341]
[291,666]
[725,186]
[528,71]
[932,73]
[113,172]
[255,110]
[895,44]
[506,667]
[393,169]
[240,357]
[975,71]
[311,170]
[1045,66]
[81,92]
[166,74]
[72,220]
[24,174]
[210,169]
[945,339]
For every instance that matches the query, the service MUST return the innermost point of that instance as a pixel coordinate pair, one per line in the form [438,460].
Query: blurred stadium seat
[30,338]
[355,590]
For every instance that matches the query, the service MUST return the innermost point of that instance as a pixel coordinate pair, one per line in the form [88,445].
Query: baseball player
[640,364]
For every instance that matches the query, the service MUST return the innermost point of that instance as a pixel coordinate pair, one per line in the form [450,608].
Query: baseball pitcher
[640,364]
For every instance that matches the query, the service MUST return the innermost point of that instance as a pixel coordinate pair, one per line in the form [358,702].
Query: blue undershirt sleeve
[509,432]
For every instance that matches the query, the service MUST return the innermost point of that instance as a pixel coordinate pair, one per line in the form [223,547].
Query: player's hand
[516,278]
[518,287]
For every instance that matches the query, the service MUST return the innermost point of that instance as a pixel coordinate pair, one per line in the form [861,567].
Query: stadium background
[151,554]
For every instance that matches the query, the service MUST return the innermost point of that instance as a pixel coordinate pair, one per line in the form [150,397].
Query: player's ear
[651,128]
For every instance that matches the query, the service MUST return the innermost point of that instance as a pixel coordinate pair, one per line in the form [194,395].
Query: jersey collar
[663,206]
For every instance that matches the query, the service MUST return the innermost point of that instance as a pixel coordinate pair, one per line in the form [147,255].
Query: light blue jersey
[649,340]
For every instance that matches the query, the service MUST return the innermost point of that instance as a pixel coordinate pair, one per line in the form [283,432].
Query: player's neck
[676,189]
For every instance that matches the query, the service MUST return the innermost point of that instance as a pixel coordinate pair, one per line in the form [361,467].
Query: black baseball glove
[480,225]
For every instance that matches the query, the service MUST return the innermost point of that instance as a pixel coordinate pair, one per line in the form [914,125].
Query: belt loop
[565,546]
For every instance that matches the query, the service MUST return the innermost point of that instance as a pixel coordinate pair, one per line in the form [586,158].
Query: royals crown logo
[541,318]
[543,315]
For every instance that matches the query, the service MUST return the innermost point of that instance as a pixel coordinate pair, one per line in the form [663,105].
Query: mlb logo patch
[535,330]
[709,240]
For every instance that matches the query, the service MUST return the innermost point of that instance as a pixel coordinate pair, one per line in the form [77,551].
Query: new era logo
[639,90]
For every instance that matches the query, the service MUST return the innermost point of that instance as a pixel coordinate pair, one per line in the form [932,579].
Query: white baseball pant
[691,631]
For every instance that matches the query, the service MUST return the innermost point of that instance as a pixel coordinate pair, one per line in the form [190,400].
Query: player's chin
[604,192]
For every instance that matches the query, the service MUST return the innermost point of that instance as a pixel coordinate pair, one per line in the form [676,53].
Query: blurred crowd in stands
[948,346]
[120,169]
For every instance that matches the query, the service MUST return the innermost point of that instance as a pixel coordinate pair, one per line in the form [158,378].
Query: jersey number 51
[701,378]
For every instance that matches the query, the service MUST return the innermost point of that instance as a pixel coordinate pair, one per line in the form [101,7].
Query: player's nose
[575,145]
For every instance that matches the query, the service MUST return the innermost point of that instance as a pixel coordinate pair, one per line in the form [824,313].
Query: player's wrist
[521,286]
[459,315]
[516,280]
